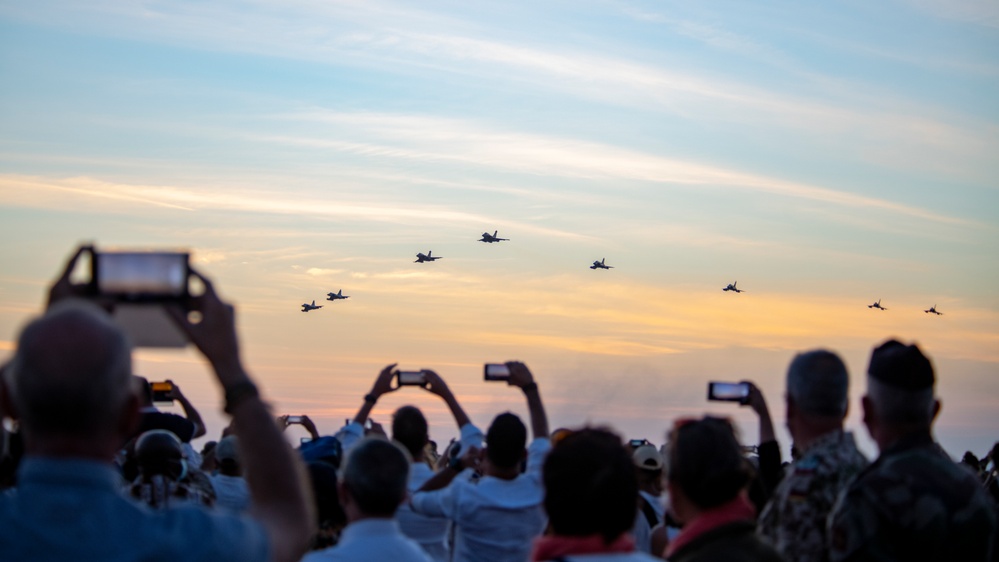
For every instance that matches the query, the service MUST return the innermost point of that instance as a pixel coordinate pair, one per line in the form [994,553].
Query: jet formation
[494,237]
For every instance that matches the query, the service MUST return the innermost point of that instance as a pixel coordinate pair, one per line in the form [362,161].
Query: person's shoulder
[180,426]
[213,534]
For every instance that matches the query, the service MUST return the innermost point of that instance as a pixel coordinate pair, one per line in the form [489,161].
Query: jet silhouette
[877,305]
[307,307]
[420,258]
[490,238]
[933,309]
[600,265]
[336,296]
[731,287]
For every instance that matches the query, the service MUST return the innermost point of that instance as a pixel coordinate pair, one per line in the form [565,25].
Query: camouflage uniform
[913,503]
[794,520]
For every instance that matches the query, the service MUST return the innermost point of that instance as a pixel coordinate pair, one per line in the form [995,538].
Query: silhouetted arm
[521,376]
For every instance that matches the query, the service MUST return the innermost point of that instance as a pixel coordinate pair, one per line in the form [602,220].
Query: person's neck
[889,436]
[811,432]
[65,447]
[503,473]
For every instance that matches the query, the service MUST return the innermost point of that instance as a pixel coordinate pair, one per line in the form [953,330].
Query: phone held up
[411,378]
[729,392]
[139,284]
[496,372]
[293,419]
[161,392]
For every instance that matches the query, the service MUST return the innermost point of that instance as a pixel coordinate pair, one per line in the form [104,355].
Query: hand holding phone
[162,392]
[411,378]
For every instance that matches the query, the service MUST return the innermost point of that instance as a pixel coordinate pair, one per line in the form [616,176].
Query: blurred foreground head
[590,485]
[71,374]
[900,395]
[374,479]
[705,463]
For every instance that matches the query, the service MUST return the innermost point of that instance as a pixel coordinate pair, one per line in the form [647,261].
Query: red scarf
[739,509]
[549,548]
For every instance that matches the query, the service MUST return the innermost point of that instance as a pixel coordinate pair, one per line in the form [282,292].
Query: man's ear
[870,413]
[937,406]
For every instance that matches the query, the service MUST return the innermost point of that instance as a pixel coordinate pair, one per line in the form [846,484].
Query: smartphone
[729,392]
[305,440]
[161,392]
[294,419]
[636,443]
[411,378]
[141,276]
[497,372]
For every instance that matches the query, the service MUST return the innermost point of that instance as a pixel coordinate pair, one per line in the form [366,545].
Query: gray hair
[71,372]
[901,406]
[376,475]
[818,383]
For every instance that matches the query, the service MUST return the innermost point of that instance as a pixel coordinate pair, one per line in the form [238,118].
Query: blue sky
[823,155]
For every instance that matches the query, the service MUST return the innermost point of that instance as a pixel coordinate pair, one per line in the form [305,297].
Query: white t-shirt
[642,531]
[231,492]
[496,520]
[616,557]
[371,539]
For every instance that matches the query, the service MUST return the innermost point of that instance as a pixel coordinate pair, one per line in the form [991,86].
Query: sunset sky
[824,155]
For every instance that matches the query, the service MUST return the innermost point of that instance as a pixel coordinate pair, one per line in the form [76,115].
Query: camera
[411,378]
[496,372]
[161,391]
[729,392]
[294,419]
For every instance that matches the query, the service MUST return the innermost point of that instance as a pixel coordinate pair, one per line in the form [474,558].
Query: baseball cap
[227,449]
[647,457]
[901,366]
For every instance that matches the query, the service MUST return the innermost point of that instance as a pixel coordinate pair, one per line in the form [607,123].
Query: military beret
[901,366]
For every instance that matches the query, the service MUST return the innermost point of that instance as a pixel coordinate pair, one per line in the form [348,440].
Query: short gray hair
[71,373]
[901,406]
[376,475]
[818,382]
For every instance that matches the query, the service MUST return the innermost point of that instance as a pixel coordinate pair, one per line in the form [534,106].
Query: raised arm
[189,410]
[521,376]
[436,385]
[758,403]
[276,478]
[383,385]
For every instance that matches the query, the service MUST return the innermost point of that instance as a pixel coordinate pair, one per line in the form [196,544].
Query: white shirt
[496,520]
[616,557]
[642,531]
[370,540]
[231,492]
[430,531]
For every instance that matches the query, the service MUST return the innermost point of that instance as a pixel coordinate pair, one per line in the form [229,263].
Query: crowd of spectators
[93,471]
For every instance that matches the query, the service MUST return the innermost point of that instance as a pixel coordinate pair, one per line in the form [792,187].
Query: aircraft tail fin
[313,302]
[495,233]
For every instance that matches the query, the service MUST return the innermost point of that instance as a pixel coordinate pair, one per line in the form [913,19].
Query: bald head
[71,372]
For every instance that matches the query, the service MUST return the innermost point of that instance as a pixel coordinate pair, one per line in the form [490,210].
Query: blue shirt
[371,539]
[72,509]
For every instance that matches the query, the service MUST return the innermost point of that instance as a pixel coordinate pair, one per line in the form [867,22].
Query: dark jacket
[733,542]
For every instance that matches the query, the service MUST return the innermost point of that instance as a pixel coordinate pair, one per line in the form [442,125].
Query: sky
[823,155]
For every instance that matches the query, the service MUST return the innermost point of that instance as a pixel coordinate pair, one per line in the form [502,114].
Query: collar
[915,440]
[55,472]
[370,527]
[828,441]
[739,509]
[555,547]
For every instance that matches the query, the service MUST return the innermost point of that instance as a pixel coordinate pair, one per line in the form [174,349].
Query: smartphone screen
[294,419]
[415,378]
[161,392]
[141,274]
[496,372]
[728,391]
[636,443]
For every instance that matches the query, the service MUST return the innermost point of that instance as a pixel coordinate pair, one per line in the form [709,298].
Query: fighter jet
[307,307]
[933,309]
[600,265]
[490,238]
[420,258]
[336,296]
[877,305]
[731,287]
